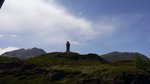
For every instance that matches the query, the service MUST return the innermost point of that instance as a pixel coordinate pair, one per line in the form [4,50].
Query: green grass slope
[71,68]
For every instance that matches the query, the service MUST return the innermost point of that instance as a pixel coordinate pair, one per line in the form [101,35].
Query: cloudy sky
[91,26]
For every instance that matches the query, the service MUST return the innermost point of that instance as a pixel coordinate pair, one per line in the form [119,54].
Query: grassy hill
[118,56]
[71,68]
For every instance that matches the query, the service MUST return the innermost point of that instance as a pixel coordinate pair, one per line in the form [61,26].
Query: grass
[66,68]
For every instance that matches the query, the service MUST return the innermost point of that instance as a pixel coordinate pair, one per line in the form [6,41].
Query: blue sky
[133,34]
[91,26]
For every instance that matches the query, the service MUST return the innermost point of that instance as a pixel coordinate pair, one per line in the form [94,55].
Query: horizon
[13,49]
[99,26]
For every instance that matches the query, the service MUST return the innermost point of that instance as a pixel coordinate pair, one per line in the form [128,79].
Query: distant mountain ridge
[25,53]
[119,56]
[110,57]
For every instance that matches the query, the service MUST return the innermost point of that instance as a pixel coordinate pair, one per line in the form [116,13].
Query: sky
[91,26]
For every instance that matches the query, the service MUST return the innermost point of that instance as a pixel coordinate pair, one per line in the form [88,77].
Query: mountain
[119,56]
[25,53]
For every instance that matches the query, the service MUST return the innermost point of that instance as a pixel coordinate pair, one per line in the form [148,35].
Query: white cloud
[3,50]
[13,35]
[37,22]
[1,36]
[106,26]
[7,36]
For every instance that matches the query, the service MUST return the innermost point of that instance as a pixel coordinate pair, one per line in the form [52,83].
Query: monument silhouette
[1,3]
[67,46]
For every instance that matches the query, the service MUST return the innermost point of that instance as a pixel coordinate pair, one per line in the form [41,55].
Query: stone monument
[67,46]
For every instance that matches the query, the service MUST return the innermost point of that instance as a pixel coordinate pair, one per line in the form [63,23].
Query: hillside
[119,56]
[74,68]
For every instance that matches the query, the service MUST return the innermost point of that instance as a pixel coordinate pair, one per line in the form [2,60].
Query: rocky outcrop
[25,53]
